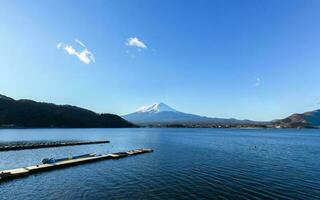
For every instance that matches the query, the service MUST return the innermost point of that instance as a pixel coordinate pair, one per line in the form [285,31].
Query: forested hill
[30,114]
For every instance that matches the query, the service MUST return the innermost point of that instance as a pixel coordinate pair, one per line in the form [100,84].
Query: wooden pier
[25,171]
[13,147]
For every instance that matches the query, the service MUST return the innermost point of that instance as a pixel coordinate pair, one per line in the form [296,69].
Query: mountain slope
[160,113]
[31,114]
[307,119]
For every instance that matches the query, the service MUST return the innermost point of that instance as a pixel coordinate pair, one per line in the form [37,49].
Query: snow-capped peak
[156,107]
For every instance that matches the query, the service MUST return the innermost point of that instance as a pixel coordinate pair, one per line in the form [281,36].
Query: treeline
[31,114]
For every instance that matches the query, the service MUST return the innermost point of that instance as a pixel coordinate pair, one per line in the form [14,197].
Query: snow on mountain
[160,113]
[156,108]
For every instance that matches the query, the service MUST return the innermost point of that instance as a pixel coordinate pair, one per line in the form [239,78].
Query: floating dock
[25,171]
[39,145]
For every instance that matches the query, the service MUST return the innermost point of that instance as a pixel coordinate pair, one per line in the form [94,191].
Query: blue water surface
[185,164]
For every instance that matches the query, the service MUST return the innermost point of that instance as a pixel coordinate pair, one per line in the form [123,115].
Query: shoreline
[160,127]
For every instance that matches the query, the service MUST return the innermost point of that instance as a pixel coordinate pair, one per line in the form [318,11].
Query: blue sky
[244,59]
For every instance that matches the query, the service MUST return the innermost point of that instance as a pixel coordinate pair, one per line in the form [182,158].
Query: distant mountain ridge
[160,113]
[31,114]
[308,119]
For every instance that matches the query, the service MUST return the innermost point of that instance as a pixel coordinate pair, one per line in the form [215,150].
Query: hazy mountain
[31,114]
[160,113]
[307,119]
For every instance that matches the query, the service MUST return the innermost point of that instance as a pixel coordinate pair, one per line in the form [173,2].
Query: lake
[185,164]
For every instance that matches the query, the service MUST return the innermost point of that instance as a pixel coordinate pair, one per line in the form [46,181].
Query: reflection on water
[186,163]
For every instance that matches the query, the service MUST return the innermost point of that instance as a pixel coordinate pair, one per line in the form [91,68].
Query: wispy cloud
[257,82]
[316,103]
[79,42]
[135,42]
[84,55]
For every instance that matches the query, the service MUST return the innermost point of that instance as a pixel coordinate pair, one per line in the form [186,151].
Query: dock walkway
[13,147]
[25,171]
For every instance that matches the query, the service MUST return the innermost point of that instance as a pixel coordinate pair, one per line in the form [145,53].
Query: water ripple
[186,164]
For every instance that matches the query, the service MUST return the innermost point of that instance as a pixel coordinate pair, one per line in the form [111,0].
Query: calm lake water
[186,164]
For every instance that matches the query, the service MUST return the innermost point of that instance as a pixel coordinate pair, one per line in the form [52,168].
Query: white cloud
[84,55]
[79,42]
[257,83]
[134,41]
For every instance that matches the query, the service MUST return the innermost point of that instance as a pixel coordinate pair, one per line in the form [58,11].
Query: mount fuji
[162,114]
